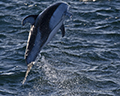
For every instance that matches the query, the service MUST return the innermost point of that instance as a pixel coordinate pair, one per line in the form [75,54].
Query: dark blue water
[86,62]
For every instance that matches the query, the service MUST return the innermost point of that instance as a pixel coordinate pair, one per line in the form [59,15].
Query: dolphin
[43,28]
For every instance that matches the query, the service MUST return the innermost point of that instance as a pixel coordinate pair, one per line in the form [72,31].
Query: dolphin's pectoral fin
[29,19]
[62,28]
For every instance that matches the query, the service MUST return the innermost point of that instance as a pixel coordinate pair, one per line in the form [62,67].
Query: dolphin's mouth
[68,14]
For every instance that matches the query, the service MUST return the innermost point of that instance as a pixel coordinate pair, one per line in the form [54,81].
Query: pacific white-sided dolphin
[43,27]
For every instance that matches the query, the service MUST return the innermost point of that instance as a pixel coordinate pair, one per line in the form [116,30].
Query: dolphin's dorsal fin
[62,28]
[29,19]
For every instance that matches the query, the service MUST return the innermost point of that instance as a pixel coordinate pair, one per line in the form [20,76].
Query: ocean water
[86,62]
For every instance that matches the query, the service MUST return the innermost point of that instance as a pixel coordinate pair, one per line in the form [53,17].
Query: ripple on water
[84,62]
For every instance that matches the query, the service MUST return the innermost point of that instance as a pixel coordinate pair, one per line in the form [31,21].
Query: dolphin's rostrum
[43,27]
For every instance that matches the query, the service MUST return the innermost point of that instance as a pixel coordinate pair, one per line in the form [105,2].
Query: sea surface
[86,62]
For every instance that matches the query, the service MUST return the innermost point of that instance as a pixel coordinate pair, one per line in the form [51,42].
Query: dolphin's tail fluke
[28,70]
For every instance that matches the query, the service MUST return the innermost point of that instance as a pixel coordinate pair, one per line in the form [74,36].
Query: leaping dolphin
[43,27]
